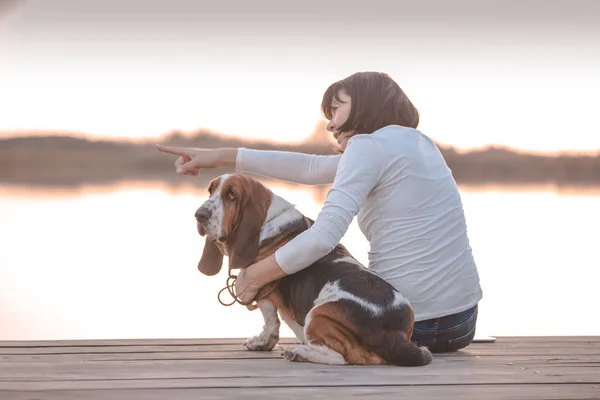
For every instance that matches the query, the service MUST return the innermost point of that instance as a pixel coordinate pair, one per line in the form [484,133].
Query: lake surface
[120,262]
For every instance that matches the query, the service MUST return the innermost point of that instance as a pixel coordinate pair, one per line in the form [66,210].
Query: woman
[396,181]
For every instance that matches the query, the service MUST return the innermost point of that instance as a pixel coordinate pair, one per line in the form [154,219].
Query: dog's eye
[230,195]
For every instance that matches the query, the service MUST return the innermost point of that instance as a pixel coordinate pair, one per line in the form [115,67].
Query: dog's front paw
[262,342]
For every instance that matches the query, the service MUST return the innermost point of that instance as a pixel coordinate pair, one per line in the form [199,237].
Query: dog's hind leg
[268,338]
[332,339]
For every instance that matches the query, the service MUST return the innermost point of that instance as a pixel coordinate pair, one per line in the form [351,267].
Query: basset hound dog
[340,311]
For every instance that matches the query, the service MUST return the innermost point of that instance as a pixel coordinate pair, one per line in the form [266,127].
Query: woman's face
[340,112]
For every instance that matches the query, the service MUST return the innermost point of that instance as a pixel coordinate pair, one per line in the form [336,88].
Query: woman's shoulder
[395,131]
[390,136]
[394,142]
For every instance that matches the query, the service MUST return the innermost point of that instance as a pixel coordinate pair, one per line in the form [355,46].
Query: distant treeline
[68,161]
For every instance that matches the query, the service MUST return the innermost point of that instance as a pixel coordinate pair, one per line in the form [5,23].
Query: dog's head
[231,220]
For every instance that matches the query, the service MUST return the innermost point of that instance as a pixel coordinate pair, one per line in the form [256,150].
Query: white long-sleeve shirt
[408,206]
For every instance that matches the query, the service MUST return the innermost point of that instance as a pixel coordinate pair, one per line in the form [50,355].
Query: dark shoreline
[70,162]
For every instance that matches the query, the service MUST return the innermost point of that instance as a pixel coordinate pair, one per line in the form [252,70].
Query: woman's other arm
[359,170]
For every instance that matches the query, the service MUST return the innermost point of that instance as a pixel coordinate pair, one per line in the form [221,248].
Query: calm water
[120,262]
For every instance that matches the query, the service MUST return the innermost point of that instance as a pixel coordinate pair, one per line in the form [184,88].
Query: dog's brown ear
[212,259]
[243,246]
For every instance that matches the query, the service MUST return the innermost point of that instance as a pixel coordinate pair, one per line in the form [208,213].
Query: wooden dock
[511,368]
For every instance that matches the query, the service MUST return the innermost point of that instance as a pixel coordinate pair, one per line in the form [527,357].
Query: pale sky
[524,74]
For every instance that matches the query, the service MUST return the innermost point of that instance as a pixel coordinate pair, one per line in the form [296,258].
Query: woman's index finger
[179,151]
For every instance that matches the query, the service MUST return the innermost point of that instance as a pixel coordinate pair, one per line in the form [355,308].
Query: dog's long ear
[212,259]
[243,246]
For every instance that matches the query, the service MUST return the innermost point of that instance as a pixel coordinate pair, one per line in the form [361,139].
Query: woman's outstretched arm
[288,166]
[308,169]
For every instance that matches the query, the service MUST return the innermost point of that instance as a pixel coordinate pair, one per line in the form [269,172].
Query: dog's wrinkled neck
[282,220]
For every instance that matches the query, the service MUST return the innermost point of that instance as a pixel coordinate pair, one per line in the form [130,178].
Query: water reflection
[120,262]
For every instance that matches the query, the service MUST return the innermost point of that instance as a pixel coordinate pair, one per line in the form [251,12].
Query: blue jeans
[446,334]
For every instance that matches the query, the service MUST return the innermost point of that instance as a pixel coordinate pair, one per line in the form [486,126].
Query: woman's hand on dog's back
[191,159]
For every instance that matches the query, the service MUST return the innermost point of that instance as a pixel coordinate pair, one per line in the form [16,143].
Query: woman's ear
[212,259]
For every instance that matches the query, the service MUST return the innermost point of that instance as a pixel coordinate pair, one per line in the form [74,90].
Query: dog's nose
[203,214]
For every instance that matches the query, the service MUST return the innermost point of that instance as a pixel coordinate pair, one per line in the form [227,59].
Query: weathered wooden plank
[231,367]
[559,351]
[430,392]
[254,373]
[60,347]
[125,356]
[283,382]
[538,339]
[124,349]
[199,346]
[237,341]
[148,352]
[462,357]
[131,342]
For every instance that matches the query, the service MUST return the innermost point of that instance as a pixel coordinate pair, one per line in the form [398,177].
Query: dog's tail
[397,349]
[390,338]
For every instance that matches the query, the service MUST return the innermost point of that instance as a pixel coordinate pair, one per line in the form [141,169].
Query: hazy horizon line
[40,133]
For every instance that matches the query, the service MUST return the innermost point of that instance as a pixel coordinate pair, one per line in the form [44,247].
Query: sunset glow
[111,71]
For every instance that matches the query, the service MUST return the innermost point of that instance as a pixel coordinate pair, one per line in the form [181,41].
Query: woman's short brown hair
[377,101]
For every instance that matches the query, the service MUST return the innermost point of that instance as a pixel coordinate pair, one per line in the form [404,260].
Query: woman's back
[414,221]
